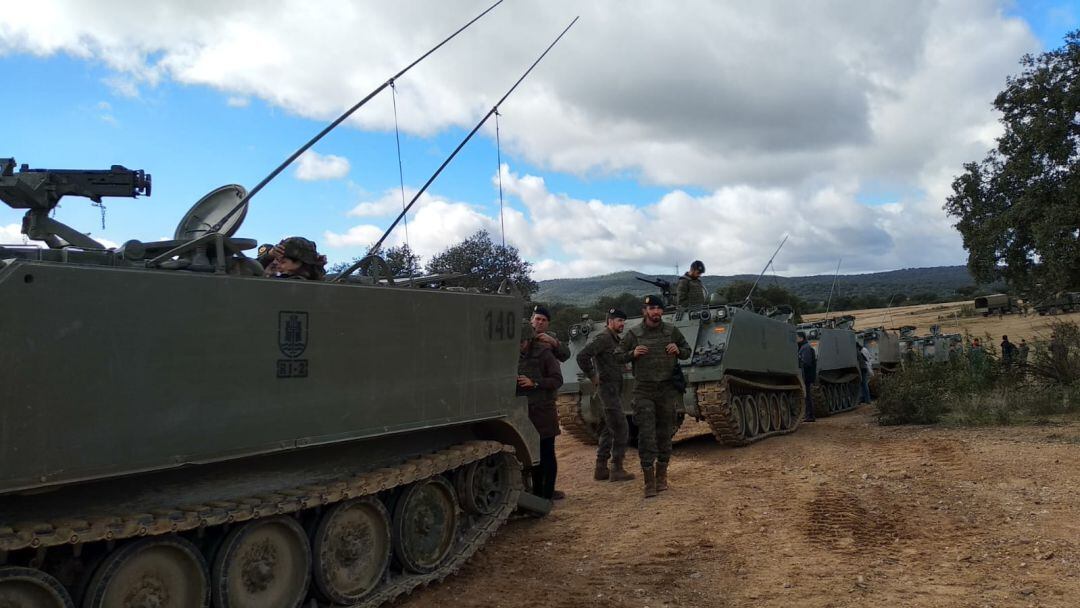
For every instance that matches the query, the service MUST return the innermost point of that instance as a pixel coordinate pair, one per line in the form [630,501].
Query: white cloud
[732,229]
[238,102]
[783,113]
[11,234]
[312,166]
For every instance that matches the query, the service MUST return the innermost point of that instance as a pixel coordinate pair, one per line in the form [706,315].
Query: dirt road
[842,513]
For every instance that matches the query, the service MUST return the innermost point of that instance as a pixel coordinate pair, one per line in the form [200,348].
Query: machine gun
[665,290]
[40,191]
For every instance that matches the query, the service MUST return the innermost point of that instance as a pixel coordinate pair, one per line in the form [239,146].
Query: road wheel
[351,549]
[264,563]
[425,525]
[165,572]
[30,588]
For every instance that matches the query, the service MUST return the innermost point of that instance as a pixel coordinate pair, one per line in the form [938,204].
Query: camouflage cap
[651,300]
[300,249]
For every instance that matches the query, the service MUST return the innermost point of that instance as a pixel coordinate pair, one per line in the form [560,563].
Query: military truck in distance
[742,376]
[995,304]
[180,430]
[884,348]
[838,385]
[1064,302]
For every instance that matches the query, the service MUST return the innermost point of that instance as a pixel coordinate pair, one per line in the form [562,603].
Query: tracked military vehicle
[934,346]
[838,385]
[176,426]
[884,348]
[180,431]
[742,376]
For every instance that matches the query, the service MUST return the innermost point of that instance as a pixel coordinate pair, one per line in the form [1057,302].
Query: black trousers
[543,474]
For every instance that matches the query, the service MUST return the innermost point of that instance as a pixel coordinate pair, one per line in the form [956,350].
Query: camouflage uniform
[562,351]
[654,394]
[616,432]
[689,292]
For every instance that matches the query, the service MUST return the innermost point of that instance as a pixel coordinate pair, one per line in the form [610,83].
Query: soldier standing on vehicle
[541,320]
[538,378]
[689,292]
[654,347]
[607,376]
[808,365]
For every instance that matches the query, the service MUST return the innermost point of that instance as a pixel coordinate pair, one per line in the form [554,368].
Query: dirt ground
[1016,326]
[841,513]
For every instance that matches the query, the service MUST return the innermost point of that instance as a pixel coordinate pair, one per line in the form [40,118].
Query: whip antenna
[746,302]
[836,275]
[375,248]
[304,148]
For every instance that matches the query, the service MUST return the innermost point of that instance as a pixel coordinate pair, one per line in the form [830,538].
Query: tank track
[826,403]
[571,420]
[42,534]
[715,405]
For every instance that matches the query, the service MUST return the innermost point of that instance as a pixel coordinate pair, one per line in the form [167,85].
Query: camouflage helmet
[300,249]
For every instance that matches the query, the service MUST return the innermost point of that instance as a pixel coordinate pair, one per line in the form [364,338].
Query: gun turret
[665,290]
[40,191]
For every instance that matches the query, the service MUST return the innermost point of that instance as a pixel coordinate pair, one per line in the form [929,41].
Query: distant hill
[941,281]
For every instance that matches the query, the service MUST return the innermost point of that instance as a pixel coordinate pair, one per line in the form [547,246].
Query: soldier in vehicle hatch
[539,376]
[689,292]
[607,376]
[541,320]
[654,347]
[294,257]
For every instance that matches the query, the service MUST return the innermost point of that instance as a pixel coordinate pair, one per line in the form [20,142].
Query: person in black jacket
[808,365]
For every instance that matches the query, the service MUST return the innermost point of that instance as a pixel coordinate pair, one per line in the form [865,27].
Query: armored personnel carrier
[178,429]
[934,346]
[838,382]
[742,376]
[884,348]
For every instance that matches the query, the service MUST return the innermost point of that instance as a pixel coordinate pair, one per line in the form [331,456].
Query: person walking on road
[607,376]
[654,347]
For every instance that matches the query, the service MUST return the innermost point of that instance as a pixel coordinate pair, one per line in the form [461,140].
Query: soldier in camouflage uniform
[539,377]
[689,292]
[541,319]
[607,376]
[654,347]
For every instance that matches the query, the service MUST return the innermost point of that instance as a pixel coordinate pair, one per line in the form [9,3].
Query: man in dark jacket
[541,320]
[808,365]
[1008,351]
[539,377]
[689,292]
[654,347]
[607,376]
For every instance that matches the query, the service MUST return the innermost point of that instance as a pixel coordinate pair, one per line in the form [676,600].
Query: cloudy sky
[654,134]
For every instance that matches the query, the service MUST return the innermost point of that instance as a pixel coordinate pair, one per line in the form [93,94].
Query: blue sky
[67,111]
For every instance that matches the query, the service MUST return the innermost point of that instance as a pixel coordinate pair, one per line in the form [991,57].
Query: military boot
[661,476]
[618,473]
[650,481]
[601,473]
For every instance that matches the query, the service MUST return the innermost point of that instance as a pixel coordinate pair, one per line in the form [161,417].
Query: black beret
[540,310]
[801,334]
[615,313]
[651,300]
[698,265]
[263,255]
